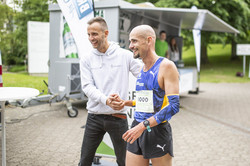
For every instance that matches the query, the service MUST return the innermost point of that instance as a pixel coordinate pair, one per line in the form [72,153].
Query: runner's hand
[115,102]
[132,134]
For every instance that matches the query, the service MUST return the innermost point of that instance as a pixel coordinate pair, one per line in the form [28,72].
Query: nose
[90,37]
[131,46]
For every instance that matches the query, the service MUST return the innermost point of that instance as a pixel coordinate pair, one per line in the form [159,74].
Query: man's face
[163,36]
[96,35]
[138,45]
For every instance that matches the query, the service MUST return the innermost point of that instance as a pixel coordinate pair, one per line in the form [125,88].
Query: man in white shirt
[104,72]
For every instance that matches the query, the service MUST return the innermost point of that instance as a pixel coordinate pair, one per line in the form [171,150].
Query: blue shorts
[154,144]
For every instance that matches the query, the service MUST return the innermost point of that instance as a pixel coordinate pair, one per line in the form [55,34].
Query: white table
[12,93]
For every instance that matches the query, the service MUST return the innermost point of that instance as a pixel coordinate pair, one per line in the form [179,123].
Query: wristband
[133,103]
[147,125]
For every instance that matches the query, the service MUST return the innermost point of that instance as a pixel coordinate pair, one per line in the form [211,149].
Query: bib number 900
[143,99]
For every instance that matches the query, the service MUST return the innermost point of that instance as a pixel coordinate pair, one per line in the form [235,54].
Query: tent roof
[201,19]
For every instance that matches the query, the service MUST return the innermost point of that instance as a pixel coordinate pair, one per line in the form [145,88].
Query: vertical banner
[199,22]
[197,46]
[77,13]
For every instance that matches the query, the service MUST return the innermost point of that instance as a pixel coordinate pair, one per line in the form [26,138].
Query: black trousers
[96,127]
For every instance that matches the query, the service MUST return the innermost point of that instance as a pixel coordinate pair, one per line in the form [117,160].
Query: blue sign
[83,7]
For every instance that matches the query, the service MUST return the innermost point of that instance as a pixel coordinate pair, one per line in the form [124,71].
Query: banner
[197,46]
[199,22]
[77,13]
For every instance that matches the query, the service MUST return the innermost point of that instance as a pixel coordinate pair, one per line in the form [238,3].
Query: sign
[100,13]
[38,47]
[243,49]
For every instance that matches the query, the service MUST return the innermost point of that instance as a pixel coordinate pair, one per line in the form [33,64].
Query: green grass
[24,80]
[220,67]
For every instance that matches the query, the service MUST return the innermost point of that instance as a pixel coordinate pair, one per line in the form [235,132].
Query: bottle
[70,47]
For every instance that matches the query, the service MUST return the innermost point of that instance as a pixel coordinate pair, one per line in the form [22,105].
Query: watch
[147,125]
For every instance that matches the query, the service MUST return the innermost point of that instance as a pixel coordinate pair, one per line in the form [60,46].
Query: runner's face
[137,45]
[96,35]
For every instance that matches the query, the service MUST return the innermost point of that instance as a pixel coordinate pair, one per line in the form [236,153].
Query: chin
[136,56]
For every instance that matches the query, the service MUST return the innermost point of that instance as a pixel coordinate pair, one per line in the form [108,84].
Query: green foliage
[234,12]
[13,37]
[17,68]
[6,35]
[32,10]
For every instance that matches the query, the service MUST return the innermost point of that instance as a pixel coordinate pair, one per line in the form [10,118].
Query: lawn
[220,69]
[25,80]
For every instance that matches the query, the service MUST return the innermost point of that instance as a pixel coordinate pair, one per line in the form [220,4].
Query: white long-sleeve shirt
[106,73]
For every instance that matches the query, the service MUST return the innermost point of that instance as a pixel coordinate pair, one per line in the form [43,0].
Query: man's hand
[132,134]
[115,102]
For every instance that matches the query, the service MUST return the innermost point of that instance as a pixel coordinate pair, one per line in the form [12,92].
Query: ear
[149,39]
[106,32]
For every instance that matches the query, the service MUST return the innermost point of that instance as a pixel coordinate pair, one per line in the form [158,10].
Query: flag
[77,13]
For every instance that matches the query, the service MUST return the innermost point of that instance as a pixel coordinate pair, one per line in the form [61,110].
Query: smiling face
[97,36]
[138,44]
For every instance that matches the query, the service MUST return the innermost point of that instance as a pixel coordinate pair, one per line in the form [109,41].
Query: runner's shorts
[154,144]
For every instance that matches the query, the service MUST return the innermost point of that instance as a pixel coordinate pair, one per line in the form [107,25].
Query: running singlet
[148,82]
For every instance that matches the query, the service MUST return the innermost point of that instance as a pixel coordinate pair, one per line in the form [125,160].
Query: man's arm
[169,81]
[170,84]
[89,88]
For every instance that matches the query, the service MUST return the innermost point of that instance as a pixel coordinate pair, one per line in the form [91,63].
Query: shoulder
[168,67]
[167,64]
[88,58]
[125,51]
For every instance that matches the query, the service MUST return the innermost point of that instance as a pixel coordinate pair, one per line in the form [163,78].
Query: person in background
[104,72]
[174,51]
[161,45]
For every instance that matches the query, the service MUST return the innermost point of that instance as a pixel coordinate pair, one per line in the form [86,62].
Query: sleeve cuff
[104,99]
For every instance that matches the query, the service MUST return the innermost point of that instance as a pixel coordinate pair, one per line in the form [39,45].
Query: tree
[32,10]
[13,24]
[6,35]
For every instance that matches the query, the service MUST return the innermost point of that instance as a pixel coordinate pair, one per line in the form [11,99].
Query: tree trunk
[204,57]
[233,51]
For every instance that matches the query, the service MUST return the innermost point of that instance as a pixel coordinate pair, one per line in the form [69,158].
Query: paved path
[211,129]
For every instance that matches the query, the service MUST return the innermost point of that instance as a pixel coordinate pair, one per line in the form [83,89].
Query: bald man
[157,100]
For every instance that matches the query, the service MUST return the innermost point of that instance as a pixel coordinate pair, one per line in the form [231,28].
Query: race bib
[144,101]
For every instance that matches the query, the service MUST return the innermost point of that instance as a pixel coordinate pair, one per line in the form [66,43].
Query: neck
[104,48]
[149,61]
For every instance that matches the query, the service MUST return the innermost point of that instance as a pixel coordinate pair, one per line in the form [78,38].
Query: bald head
[142,41]
[144,31]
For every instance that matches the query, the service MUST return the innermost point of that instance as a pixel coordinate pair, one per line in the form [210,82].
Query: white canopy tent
[177,18]
[172,20]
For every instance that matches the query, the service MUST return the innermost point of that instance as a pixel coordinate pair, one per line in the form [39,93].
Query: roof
[201,19]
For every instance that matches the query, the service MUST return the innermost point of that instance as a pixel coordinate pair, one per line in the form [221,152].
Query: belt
[122,116]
